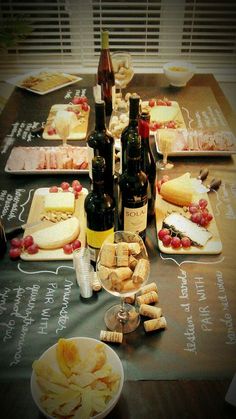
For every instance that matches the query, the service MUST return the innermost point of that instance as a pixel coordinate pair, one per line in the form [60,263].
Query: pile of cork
[146,301]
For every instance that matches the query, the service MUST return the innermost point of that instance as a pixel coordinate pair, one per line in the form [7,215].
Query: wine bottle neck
[100,123]
[105,40]
[133,165]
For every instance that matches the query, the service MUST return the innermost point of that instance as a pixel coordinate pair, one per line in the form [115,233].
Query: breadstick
[107,336]
[155,324]
[108,255]
[149,298]
[122,254]
[141,271]
[150,311]
[149,287]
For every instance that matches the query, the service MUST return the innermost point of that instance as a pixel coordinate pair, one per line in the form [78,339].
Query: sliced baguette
[58,235]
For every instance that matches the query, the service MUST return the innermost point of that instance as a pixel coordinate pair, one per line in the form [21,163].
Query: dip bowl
[178,73]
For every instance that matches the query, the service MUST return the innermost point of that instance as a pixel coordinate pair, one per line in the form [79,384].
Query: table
[167,374]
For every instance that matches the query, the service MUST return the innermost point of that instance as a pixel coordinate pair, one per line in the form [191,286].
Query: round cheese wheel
[57,235]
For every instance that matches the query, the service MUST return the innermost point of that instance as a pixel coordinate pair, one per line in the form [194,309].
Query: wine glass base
[160,165]
[122,321]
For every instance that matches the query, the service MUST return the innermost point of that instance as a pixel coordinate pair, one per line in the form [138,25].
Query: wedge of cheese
[163,113]
[182,226]
[178,191]
[59,201]
[57,235]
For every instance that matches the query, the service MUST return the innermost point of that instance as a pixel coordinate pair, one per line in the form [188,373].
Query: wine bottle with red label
[147,161]
[133,183]
[105,73]
[100,209]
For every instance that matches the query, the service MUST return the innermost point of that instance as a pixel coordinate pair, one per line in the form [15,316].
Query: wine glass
[123,69]
[64,121]
[165,142]
[123,268]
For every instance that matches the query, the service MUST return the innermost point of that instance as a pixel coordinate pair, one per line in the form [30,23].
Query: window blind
[65,34]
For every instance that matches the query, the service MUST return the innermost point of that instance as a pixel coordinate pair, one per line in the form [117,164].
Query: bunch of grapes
[75,187]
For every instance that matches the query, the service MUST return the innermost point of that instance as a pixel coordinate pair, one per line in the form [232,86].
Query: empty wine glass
[123,69]
[165,141]
[123,268]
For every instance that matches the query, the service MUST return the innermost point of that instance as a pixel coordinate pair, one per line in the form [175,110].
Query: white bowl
[178,73]
[84,345]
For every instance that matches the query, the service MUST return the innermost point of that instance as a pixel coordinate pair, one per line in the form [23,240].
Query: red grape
[196,217]
[203,222]
[176,242]
[28,241]
[78,188]
[193,208]
[186,242]
[202,203]
[65,186]
[85,107]
[53,189]
[76,244]
[14,252]
[166,240]
[163,233]
[33,249]
[75,182]
[67,248]
[209,217]
[152,102]
[16,242]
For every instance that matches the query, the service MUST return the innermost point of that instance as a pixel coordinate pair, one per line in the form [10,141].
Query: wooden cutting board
[79,132]
[36,210]
[212,247]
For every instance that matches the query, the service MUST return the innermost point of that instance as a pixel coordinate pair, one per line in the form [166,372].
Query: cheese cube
[60,201]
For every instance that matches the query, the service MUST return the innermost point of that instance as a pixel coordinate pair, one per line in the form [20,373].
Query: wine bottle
[100,143]
[147,161]
[105,73]
[130,131]
[100,209]
[133,192]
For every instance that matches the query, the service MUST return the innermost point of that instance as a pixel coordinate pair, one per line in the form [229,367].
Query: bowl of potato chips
[78,377]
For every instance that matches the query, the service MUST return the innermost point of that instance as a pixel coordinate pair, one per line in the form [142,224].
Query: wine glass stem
[165,155]
[123,316]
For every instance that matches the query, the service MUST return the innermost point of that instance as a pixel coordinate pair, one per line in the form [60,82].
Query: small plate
[50,80]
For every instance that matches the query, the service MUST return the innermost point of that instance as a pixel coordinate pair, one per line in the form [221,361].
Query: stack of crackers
[46,80]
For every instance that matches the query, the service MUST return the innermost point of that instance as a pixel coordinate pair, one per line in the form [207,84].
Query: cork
[141,271]
[96,284]
[122,254]
[149,287]
[150,311]
[108,253]
[107,336]
[148,298]
[155,324]
[134,248]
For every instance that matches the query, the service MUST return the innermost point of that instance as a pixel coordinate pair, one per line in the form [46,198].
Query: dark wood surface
[140,399]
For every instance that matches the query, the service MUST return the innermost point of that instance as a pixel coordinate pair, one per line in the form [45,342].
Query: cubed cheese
[60,201]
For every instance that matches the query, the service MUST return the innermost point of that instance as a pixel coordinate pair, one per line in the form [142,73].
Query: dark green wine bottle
[100,210]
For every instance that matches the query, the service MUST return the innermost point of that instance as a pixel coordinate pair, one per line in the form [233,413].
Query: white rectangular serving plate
[202,153]
[44,171]
[16,81]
